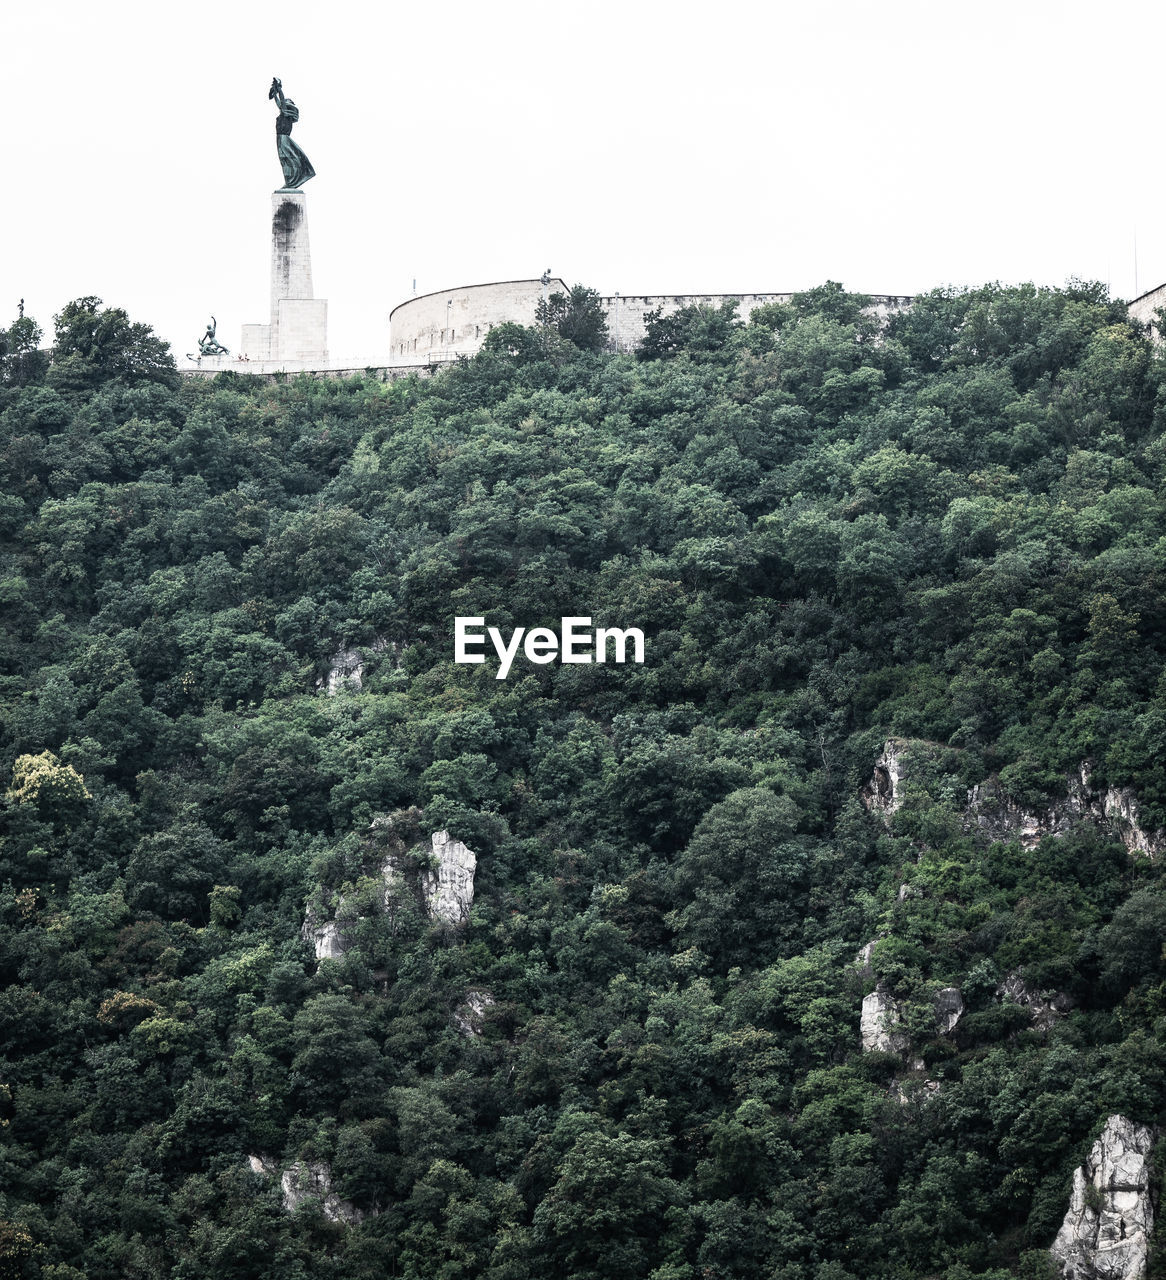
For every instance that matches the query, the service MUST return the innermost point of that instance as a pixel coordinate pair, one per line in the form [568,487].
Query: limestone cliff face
[325,938]
[880,1016]
[345,671]
[880,1023]
[993,811]
[304,1181]
[446,890]
[1045,1007]
[449,891]
[1106,1232]
[346,666]
[884,792]
[471,1013]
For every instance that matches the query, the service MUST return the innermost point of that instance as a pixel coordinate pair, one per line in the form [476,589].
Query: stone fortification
[1143,308]
[627,327]
[438,327]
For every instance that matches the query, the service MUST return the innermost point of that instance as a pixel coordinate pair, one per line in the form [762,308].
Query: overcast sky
[635,146]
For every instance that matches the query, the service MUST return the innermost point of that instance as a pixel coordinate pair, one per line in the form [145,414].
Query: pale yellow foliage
[43,779]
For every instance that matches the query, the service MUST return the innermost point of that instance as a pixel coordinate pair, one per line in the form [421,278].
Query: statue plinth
[297,333]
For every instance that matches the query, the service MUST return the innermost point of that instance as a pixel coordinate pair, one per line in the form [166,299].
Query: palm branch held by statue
[297,168]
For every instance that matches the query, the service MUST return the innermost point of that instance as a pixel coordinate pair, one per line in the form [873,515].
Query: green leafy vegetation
[947,529]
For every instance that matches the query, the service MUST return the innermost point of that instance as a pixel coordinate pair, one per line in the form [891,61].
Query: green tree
[578,316]
[93,344]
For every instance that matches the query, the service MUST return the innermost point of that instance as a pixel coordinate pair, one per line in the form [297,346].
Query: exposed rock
[468,1016]
[879,1014]
[883,793]
[916,1090]
[304,1181]
[449,891]
[949,1009]
[864,956]
[1121,808]
[345,669]
[993,811]
[1044,1006]
[326,941]
[1106,1232]
[313,1181]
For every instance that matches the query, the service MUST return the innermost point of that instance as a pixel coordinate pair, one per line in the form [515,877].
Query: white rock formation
[992,810]
[313,1181]
[884,792]
[305,1181]
[1106,1232]
[345,669]
[1121,808]
[1044,1006]
[449,891]
[864,956]
[949,1009]
[879,1014]
[467,1017]
[326,941]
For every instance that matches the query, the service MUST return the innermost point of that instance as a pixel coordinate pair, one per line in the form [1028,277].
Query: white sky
[639,146]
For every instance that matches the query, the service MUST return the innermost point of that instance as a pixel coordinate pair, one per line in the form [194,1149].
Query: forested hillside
[640,1057]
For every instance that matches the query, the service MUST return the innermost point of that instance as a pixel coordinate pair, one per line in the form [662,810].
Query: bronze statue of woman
[297,168]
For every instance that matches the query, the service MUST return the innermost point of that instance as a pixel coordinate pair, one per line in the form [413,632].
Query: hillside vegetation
[948,531]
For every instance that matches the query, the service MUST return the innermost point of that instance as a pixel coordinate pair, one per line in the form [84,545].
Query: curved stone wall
[454,322]
[439,327]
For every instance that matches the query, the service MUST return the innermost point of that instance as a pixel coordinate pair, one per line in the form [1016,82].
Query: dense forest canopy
[640,1055]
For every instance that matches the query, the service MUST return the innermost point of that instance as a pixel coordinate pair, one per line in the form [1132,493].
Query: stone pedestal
[297,335]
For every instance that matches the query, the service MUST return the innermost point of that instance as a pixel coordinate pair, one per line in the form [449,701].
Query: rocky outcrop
[1121,809]
[325,938]
[346,666]
[345,671]
[882,1015]
[1045,1007]
[469,1015]
[1106,1232]
[949,1009]
[446,889]
[449,890]
[863,958]
[884,792]
[304,1181]
[993,811]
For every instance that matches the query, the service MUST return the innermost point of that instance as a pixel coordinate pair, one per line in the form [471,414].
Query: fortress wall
[625,315]
[454,322]
[1143,308]
[439,326]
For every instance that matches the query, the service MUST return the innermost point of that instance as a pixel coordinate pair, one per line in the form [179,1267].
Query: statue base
[297,333]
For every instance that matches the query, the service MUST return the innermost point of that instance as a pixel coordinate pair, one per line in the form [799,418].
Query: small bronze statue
[297,168]
[208,345]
